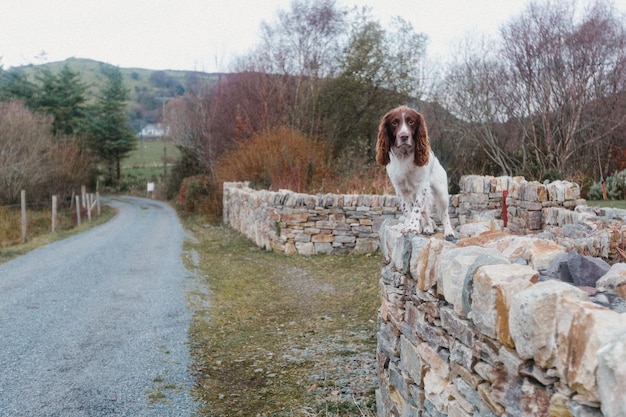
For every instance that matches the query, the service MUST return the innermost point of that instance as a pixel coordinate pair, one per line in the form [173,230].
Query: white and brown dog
[417,176]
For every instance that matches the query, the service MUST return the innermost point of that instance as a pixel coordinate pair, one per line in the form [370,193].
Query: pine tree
[111,136]
[14,85]
[63,97]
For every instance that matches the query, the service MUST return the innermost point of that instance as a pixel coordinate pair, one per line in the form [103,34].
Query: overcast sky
[204,35]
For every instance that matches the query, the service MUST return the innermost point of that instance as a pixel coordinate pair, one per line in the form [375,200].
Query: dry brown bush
[32,159]
[24,150]
[280,158]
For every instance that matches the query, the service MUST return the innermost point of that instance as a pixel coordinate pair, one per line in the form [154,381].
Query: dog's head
[403,132]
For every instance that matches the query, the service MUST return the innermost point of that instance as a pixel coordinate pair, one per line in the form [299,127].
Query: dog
[403,147]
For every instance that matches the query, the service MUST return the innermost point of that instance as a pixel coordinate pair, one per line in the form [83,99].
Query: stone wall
[489,325]
[476,329]
[289,222]
[527,202]
[554,211]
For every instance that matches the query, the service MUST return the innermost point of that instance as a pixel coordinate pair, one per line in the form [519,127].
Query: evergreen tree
[63,97]
[111,136]
[14,85]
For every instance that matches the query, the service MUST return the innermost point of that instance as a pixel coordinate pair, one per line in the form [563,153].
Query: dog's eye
[410,121]
[395,122]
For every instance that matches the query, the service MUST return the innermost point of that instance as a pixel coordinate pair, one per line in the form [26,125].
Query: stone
[611,376]
[466,374]
[558,269]
[533,318]
[494,287]
[483,239]
[365,245]
[614,281]
[532,400]
[580,410]
[473,397]
[305,248]
[396,247]
[411,360]
[586,270]
[323,248]
[322,238]
[294,218]
[423,261]
[485,392]
[485,371]
[458,327]
[455,270]
[473,229]
[592,328]
[398,389]
[558,406]
[392,305]
[539,253]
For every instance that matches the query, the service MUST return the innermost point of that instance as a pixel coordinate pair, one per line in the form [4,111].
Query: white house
[152,131]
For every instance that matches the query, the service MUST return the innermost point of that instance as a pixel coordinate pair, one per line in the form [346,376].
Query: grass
[149,154]
[278,335]
[621,204]
[145,164]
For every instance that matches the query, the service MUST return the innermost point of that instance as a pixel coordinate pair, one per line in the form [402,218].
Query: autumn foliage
[280,158]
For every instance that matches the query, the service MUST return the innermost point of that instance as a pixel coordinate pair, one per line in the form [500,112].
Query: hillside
[147,88]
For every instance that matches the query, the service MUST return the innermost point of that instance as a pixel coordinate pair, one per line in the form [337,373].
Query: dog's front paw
[429,227]
[412,227]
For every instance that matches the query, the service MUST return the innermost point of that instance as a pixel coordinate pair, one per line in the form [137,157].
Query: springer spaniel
[415,172]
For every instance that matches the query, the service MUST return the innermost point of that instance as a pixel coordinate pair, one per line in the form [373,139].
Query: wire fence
[29,219]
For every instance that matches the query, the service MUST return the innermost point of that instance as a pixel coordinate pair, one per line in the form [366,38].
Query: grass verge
[277,335]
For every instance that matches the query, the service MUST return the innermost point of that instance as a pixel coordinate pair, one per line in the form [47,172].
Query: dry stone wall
[292,223]
[289,222]
[476,329]
[490,325]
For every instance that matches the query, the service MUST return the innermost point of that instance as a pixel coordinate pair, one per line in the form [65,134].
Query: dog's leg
[448,232]
[417,222]
[441,200]
[407,207]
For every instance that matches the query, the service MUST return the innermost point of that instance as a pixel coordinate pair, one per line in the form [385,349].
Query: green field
[145,164]
[149,154]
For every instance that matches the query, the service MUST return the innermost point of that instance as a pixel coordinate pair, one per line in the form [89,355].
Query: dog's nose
[404,137]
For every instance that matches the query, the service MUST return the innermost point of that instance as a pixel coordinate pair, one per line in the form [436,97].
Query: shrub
[24,150]
[199,195]
[615,188]
[188,165]
[280,158]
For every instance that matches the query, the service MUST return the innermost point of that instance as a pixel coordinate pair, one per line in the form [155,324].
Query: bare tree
[24,150]
[298,51]
[545,100]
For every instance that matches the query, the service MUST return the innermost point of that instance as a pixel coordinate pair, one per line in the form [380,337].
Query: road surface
[96,324]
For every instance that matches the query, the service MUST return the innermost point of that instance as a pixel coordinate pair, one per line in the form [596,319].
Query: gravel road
[96,324]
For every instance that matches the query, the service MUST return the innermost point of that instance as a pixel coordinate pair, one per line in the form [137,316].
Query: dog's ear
[383,143]
[422,144]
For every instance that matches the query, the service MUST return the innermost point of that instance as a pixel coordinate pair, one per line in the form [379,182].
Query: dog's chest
[406,177]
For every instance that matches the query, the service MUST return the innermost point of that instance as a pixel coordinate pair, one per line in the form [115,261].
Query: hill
[147,88]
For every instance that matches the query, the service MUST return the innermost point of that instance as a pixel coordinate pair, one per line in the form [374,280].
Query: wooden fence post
[77,210]
[54,213]
[23,198]
[89,205]
[98,201]
[83,194]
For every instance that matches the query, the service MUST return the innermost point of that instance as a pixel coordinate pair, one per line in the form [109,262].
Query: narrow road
[96,324]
